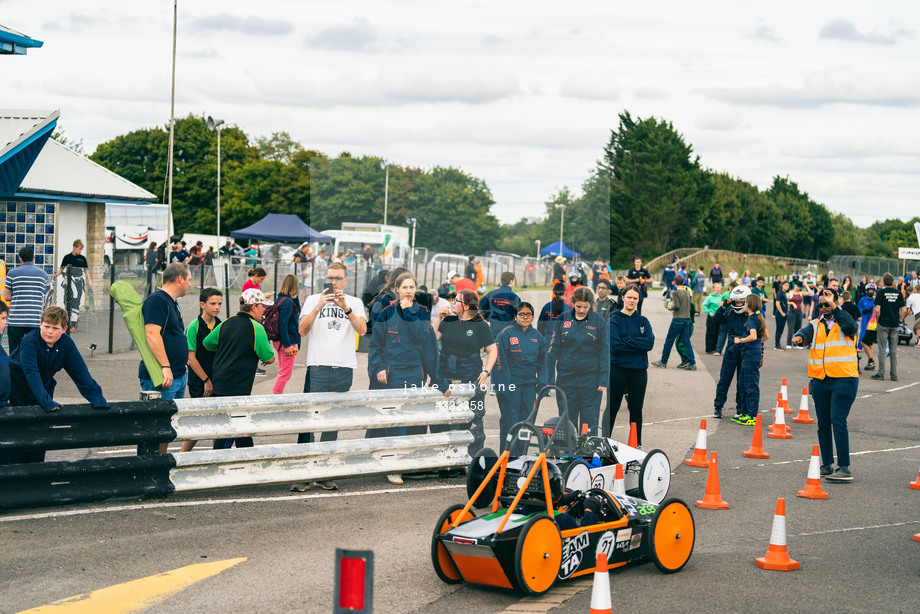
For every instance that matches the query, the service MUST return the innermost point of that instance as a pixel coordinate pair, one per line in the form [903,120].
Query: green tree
[279,147]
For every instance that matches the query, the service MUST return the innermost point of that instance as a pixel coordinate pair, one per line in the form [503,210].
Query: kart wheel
[655,477]
[538,555]
[440,559]
[522,437]
[577,476]
[480,466]
[673,534]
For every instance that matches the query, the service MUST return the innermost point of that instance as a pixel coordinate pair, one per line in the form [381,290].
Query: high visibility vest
[832,354]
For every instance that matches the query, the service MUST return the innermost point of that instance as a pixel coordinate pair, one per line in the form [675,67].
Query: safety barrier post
[147,447]
[111,305]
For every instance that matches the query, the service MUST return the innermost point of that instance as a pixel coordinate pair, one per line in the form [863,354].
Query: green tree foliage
[279,146]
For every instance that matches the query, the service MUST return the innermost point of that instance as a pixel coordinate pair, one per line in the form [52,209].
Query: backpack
[270,321]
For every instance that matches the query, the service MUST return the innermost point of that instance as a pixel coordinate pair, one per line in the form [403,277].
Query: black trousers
[632,383]
[712,335]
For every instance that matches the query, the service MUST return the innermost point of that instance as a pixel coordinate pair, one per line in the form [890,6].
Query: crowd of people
[590,337]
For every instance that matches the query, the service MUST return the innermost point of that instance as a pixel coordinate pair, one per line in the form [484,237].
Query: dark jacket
[631,339]
[520,357]
[33,366]
[289,320]
[405,346]
[546,322]
[735,323]
[499,307]
[848,326]
[238,343]
[582,349]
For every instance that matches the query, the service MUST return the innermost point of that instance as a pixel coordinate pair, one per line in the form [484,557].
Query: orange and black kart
[519,545]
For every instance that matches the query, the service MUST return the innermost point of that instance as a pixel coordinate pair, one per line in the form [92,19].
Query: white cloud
[590,87]
[765,33]
[651,92]
[254,26]
[841,29]
[724,120]
[358,36]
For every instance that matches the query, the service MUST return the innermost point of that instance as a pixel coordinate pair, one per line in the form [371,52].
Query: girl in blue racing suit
[519,370]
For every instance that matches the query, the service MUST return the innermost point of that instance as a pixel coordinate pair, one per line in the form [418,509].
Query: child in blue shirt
[751,359]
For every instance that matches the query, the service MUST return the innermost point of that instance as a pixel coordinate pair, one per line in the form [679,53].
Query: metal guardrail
[151,422]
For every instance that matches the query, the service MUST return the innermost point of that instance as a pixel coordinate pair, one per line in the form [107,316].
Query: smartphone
[328,286]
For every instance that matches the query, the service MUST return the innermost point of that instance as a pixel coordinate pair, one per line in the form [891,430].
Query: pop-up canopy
[283,228]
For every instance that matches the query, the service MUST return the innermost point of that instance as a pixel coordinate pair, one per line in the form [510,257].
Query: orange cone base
[777,559]
[758,453]
[712,502]
[916,485]
[772,427]
[812,490]
[803,418]
[917,537]
[776,434]
[698,459]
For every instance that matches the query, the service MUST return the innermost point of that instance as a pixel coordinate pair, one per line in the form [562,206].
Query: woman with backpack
[280,321]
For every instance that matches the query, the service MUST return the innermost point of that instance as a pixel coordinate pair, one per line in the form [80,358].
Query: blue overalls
[731,358]
[546,324]
[582,351]
[516,375]
[749,376]
[404,345]
[380,302]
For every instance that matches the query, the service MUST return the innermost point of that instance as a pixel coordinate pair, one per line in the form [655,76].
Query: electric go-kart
[536,534]
[586,461]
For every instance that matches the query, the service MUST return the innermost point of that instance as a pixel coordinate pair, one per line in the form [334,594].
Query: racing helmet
[738,296]
[535,488]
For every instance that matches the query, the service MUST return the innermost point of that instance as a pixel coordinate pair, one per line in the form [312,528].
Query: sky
[521,94]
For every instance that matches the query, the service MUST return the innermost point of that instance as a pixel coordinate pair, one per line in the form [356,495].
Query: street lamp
[386,189]
[215,124]
[413,221]
[561,223]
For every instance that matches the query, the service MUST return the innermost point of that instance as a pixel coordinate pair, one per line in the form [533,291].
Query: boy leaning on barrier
[39,357]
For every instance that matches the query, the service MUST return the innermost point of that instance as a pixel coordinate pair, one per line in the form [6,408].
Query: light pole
[413,221]
[215,124]
[386,189]
[561,224]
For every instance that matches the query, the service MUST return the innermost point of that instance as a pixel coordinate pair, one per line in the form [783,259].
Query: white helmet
[739,293]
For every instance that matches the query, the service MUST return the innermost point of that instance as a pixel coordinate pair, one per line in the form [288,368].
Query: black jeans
[632,383]
[326,379]
[780,325]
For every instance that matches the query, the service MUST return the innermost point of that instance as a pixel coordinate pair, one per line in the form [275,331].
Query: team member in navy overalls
[384,299]
[751,345]
[581,347]
[519,370]
[731,313]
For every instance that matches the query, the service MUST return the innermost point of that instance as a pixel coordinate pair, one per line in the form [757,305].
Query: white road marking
[873,526]
[805,460]
[866,396]
[277,499]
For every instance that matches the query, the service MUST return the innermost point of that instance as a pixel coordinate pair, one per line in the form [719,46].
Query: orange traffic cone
[917,537]
[813,488]
[619,483]
[756,450]
[584,428]
[916,483]
[777,558]
[803,417]
[712,499]
[600,592]
[699,451]
[633,441]
[786,409]
[779,429]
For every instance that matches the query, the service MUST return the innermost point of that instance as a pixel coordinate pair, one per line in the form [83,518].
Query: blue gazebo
[558,249]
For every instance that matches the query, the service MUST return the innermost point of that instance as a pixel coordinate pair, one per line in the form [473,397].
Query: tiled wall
[28,223]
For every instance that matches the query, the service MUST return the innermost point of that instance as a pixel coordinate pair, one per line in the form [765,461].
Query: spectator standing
[733,275]
[470,271]
[846,303]
[715,274]
[26,286]
[680,326]
[480,279]
[288,343]
[834,373]
[780,314]
[699,289]
[794,314]
[889,310]
[746,278]
[667,277]
[546,326]
[196,254]
[79,280]
[239,343]
[574,284]
[640,276]
[518,373]
[631,339]
[320,265]
[580,346]
[151,266]
[201,359]
[710,307]
[38,358]
[531,270]
[499,306]
[869,323]
[604,305]
[913,305]
[256,277]
[559,270]
[367,254]
[751,345]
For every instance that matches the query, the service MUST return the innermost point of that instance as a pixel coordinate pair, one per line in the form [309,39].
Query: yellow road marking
[136,595]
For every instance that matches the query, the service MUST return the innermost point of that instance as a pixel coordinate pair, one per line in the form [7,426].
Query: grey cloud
[765,33]
[446,84]
[841,29]
[837,86]
[492,39]
[357,36]
[244,25]
[651,92]
[719,121]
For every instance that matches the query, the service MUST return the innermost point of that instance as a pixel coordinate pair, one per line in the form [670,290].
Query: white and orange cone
[600,592]
[916,483]
[784,390]
[619,482]
[756,450]
[786,409]
[699,451]
[777,558]
[712,498]
[813,488]
[779,429]
[803,417]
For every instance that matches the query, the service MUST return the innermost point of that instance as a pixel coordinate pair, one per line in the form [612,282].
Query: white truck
[389,243]
[129,229]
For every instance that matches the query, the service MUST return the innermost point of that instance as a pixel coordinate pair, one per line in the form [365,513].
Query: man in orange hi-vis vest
[834,373]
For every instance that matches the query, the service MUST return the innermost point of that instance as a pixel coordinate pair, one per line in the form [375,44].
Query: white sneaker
[788,347]
[395,478]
